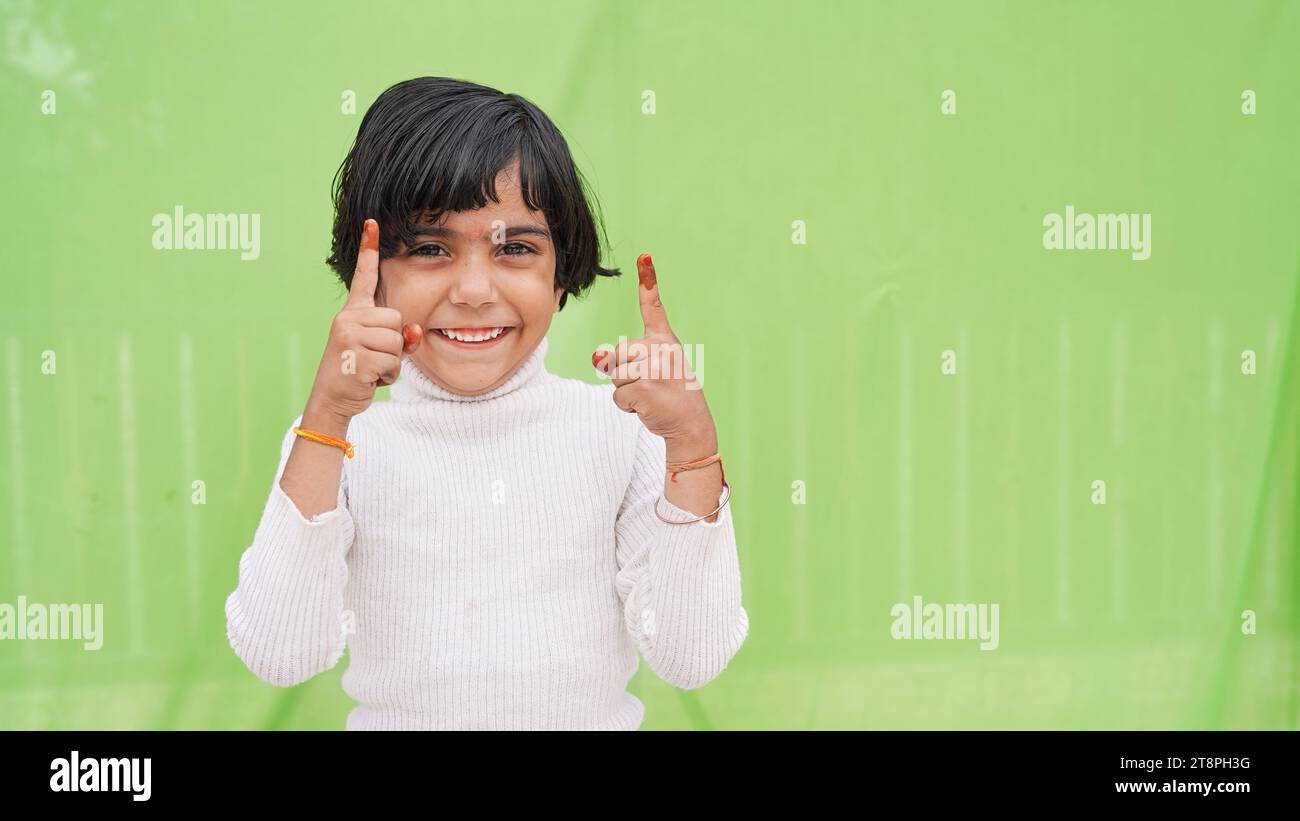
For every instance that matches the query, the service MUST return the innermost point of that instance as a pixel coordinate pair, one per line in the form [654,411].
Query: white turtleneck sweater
[494,562]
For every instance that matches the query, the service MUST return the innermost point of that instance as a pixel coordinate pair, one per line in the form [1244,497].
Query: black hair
[435,144]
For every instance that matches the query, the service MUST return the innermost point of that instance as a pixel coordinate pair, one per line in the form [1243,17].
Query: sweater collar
[414,386]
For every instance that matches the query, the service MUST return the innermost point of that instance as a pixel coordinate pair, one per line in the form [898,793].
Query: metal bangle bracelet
[726,498]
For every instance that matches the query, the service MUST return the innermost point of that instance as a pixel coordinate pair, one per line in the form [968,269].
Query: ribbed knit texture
[494,562]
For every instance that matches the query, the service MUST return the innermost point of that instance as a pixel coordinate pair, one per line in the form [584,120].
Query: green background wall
[923,234]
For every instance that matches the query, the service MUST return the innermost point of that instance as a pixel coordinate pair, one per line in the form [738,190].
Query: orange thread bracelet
[677,467]
[325,439]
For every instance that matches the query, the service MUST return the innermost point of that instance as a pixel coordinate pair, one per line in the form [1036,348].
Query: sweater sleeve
[285,619]
[679,583]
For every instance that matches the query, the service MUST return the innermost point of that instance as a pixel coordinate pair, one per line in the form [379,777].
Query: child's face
[473,274]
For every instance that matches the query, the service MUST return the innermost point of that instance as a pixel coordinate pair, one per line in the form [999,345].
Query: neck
[415,386]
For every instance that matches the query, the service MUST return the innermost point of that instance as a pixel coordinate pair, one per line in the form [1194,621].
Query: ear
[559,292]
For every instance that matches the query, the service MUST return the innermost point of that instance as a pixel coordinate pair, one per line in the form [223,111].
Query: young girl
[495,543]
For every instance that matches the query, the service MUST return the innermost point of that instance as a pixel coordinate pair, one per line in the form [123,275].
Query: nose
[473,285]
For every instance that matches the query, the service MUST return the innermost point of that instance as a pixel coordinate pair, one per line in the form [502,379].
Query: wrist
[319,417]
[690,448]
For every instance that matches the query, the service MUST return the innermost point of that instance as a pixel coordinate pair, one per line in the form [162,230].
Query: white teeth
[481,337]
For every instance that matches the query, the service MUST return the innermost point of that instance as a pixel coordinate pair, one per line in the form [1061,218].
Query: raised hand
[366,342]
[654,380]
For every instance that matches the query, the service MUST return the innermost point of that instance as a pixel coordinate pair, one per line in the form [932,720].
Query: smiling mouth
[482,337]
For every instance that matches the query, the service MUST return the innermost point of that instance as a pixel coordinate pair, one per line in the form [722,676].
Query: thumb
[412,336]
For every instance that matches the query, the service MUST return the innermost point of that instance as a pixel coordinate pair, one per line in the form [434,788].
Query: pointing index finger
[366,277]
[652,310]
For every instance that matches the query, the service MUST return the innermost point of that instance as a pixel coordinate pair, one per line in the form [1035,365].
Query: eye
[426,251]
[521,249]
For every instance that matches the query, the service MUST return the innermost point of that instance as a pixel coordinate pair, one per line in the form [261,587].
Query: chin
[470,381]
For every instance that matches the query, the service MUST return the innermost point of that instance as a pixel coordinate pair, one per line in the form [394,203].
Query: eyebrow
[511,231]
